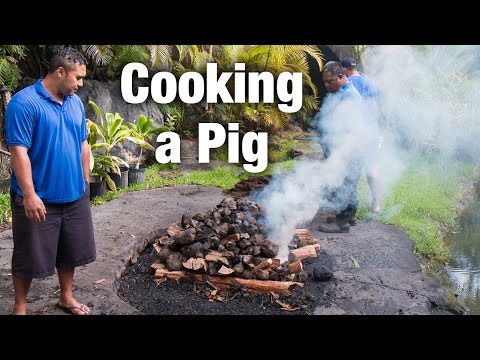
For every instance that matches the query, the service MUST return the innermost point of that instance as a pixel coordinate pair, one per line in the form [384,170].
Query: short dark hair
[66,58]
[334,67]
[349,63]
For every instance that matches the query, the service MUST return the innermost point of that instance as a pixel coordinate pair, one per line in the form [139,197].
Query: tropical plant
[113,132]
[35,65]
[160,55]
[124,54]
[112,128]
[100,54]
[100,162]
[10,73]
[257,58]
[174,113]
[141,132]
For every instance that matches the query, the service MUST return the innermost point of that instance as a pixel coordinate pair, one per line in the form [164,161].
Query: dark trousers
[345,196]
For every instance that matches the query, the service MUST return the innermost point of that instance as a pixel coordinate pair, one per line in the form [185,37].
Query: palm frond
[160,55]
[10,73]
[100,54]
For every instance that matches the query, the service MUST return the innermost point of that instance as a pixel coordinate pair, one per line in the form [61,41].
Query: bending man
[341,128]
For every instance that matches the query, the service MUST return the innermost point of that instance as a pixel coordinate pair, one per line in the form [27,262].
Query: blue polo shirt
[370,93]
[53,134]
[365,86]
[336,115]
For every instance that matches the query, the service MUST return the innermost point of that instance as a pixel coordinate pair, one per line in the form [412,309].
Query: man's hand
[34,208]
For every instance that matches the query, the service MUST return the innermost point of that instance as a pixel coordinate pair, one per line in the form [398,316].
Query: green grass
[424,202]
[283,143]
[224,177]
[5,211]
[153,179]
[220,153]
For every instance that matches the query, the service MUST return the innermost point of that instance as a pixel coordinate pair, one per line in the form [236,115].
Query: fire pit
[228,248]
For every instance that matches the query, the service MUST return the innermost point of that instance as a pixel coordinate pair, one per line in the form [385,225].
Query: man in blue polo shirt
[340,125]
[370,93]
[51,215]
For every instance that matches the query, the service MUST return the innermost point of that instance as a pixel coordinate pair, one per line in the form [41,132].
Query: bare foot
[20,309]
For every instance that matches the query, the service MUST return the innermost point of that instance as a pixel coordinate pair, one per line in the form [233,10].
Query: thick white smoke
[430,95]
[429,103]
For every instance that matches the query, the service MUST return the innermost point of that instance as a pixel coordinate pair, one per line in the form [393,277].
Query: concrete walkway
[123,228]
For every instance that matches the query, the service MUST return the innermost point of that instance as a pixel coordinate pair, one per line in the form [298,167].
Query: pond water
[464,268]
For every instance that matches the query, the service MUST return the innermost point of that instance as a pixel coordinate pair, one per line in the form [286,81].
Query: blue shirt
[365,86]
[370,93]
[346,92]
[53,134]
[338,111]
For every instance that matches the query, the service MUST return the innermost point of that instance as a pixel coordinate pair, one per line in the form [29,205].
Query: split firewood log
[226,282]
[225,270]
[303,237]
[295,267]
[306,252]
[195,264]
[174,229]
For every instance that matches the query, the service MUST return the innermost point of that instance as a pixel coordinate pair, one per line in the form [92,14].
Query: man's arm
[34,206]
[86,160]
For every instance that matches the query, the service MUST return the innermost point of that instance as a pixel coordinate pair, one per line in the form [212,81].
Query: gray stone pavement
[123,228]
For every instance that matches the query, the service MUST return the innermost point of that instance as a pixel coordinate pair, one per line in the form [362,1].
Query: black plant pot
[121,181]
[97,188]
[136,176]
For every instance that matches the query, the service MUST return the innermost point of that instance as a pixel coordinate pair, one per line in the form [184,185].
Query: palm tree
[272,58]
[10,73]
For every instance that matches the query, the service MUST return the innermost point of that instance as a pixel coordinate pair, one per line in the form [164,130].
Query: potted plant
[113,132]
[97,180]
[141,132]
[101,162]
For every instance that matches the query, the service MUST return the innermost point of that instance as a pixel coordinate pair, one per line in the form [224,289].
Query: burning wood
[229,245]
[295,267]
[305,252]
[261,286]
[195,264]
[157,265]
[213,256]
[263,265]
[174,229]
[225,270]
[158,247]
[229,238]
[303,237]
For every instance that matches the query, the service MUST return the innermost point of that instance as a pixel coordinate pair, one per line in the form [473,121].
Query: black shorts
[64,239]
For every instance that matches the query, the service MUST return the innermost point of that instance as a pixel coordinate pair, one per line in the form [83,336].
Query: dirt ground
[373,267]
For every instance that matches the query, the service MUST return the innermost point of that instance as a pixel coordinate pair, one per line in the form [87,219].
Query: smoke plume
[429,97]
